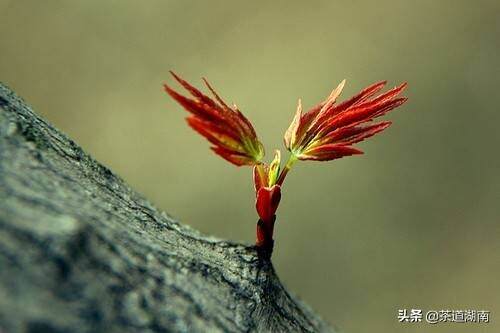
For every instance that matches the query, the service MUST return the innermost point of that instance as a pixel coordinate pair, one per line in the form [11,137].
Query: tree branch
[82,252]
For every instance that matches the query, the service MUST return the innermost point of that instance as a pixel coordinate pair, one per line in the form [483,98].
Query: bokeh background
[413,223]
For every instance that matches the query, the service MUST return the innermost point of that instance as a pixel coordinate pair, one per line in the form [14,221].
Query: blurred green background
[413,223]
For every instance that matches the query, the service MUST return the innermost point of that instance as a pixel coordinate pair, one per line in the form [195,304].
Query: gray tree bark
[82,252]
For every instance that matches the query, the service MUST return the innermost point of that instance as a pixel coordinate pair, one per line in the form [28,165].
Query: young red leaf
[231,133]
[327,130]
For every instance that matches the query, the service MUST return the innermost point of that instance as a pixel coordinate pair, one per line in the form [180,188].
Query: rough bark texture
[82,252]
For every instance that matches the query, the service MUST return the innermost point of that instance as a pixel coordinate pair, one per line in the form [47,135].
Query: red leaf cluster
[329,130]
[231,133]
[326,132]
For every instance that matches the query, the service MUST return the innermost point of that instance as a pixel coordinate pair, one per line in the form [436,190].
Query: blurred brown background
[413,223]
